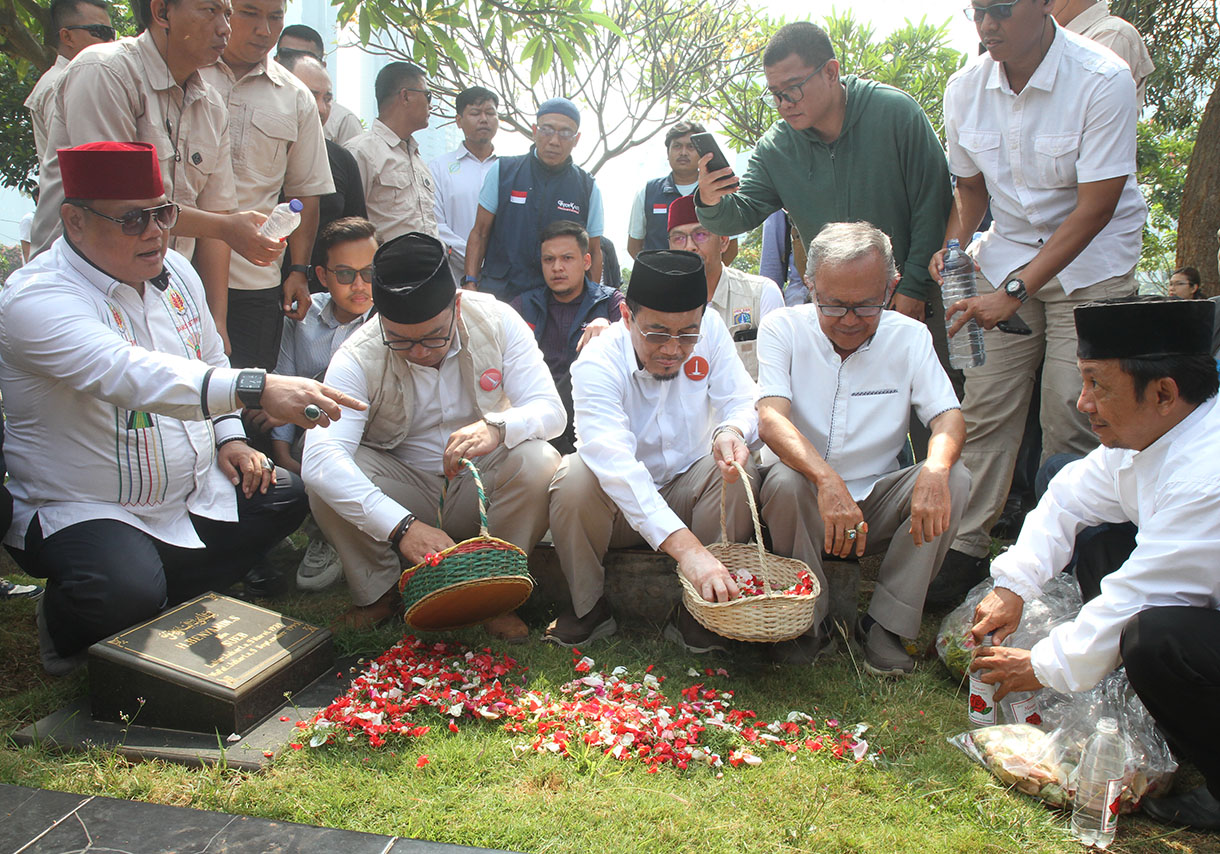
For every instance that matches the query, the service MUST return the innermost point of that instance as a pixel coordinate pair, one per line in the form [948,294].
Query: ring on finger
[313,412]
[851,534]
[268,465]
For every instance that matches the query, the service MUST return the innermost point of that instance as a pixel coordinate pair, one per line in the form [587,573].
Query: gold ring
[851,534]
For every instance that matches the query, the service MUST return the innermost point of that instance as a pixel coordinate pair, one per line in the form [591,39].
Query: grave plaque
[213,664]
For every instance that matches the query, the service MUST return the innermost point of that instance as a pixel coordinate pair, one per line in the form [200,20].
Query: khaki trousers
[585,522]
[790,509]
[515,480]
[998,394]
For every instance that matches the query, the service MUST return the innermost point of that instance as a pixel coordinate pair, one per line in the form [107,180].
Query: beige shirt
[277,145]
[343,125]
[39,102]
[123,91]
[1118,35]
[397,184]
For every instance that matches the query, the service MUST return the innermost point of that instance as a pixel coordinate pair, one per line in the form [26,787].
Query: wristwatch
[1016,288]
[299,268]
[470,280]
[495,419]
[250,384]
[400,530]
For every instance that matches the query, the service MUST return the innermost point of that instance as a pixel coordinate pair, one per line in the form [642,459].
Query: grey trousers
[585,522]
[515,480]
[790,509]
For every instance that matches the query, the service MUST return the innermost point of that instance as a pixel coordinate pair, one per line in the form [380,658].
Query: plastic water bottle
[283,220]
[966,347]
[1099,785]
[982,694]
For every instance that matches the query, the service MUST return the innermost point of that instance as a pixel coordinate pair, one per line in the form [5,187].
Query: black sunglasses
[346,275]
[98,31]
[136,222]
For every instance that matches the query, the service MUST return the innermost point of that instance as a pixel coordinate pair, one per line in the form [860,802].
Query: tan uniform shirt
[39,103]
[397,184]
[277,145]
[343,125]
[123,91]
[1120,36]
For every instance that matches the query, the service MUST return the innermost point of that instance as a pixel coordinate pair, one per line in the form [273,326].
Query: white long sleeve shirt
[1171,492]
[103,399]
[443,403]
[637,433]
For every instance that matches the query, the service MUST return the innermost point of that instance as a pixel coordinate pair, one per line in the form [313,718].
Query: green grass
[923,796]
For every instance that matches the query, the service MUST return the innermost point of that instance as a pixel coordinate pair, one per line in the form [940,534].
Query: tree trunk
[1197,244]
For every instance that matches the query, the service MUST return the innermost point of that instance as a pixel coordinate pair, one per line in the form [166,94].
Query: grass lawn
[923,796]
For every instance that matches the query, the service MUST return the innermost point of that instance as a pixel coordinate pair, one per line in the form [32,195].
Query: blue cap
[295,206]
[562,106]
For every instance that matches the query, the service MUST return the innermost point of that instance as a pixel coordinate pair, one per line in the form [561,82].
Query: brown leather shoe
[508,627]
[384,610]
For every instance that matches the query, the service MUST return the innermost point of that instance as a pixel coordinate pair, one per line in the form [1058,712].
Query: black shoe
[693,635]
[1009,524]
[266,581]
[1196,809]
[957,575]
[805,649]
[570,630]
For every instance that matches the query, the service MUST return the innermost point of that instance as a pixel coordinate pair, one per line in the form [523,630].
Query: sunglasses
[98,31]
[134,223]
[660,339]
[997,11]
[346,275]
[427,93]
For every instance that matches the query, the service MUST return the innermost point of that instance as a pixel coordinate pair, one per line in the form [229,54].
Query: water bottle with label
[982,694]
[1099,786]
[966,347]
[283,220]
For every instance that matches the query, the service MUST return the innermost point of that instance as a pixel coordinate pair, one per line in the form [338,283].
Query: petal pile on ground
[596,714]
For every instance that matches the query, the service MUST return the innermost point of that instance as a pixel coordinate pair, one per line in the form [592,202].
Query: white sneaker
[320,568]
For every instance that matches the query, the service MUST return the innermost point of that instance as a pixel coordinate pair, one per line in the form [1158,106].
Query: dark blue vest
[658,193]
[532,195]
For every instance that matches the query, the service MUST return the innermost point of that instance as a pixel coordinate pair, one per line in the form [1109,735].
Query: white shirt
[39,103]
[443,403]
[457,178]
[637,433]
[102,396]
[1073,123]
[1171,491]
[854,411]
[1118,35]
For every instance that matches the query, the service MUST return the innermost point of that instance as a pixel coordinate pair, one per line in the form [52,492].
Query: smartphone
[704,143]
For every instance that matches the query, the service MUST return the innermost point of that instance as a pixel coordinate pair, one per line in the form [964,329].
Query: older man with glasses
[448,375]
[833,483]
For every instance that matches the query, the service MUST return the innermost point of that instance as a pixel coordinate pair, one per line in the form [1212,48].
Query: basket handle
[758,537]
[478,482]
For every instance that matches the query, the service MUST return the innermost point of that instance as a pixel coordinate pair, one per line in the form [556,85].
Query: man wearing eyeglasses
[76,24]
[1041,126]
[664,408]
[845,149]
[448,375]
[650,209]
[837,381]
[741,299]
[398,189]
[133,484]
[523,194]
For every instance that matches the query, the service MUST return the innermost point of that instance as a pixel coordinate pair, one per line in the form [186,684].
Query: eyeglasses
[660,339]
[136,222]
[678,239]
[402,344]
[427,93]
[346,275]
[792,94]
[857,310]
[566,134]
[98,31]
[997,11]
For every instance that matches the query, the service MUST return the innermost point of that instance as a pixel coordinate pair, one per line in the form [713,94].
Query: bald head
[313,74]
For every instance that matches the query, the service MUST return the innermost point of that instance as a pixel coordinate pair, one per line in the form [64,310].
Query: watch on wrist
[303,269]
[496,420]
[1016,288]
[250,385]
[470,280]
[400,530]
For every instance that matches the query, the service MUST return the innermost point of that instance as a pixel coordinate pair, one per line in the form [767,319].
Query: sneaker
[692,635]
[957,575]
[52,662]
[320,568]
[9,590]
[884,654]
[806,649]
[570,630]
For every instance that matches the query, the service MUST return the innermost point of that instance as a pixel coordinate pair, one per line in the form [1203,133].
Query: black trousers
[104,575]
[1172,656]
[255,325]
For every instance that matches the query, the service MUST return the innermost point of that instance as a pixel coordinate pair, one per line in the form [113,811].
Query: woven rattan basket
[767,618]
[468,583]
